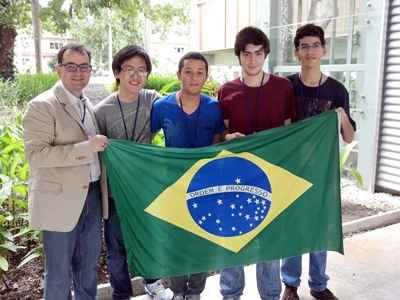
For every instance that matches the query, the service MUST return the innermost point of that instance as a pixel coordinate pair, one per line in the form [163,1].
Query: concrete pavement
[369,270]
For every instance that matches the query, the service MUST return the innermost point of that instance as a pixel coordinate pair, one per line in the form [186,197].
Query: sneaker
[158,291]
[178,297]
[192,297]
[325,294]
[290,293]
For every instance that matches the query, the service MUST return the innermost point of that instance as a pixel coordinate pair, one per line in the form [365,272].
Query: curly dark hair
[309,30]
[251,35]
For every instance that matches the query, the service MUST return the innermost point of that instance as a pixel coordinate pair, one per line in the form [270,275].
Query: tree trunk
[7,39]
[37,34]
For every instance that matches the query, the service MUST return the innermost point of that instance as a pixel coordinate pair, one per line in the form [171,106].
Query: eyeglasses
[307,47]
[72,67]
[130,71]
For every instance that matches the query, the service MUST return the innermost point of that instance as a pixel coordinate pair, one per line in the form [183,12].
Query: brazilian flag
[267,196]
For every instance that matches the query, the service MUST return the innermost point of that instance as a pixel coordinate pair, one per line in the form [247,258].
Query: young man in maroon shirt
[256,101]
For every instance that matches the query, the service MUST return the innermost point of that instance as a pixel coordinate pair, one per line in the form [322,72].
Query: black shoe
[325,294]
[290,293]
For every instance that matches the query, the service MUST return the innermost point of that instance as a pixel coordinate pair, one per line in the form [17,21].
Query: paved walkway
[369,270]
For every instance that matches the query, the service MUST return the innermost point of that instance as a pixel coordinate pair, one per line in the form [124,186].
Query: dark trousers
[117,265]
[192,284]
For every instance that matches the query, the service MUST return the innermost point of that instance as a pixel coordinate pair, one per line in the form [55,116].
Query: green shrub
[172,86]
[166,84]
[9,93]
[15,235]
[31,85]
[347,169]
[159,139]
[157,81]
[24,88]
[210,88]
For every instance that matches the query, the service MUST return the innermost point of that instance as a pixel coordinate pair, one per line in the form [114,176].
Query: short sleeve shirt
[136,116]
[311,101]
[252,109]
[187,131]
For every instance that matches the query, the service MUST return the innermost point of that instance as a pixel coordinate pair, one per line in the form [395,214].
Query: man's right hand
[98,143]
[232,136]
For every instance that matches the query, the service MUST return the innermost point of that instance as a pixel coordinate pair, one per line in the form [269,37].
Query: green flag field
[267,196]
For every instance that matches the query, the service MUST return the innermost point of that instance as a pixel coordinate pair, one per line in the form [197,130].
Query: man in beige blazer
[62,145]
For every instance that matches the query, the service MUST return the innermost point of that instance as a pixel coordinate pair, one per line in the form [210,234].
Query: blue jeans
[71,257]
[291,271]
[268,281]
[117,265]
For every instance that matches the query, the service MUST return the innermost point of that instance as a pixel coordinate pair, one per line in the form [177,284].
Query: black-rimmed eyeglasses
[72,67]
[131,71]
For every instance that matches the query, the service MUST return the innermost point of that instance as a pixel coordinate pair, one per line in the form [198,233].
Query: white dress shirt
[89,127]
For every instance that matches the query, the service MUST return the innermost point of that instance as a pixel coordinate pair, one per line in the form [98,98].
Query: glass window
[339,19]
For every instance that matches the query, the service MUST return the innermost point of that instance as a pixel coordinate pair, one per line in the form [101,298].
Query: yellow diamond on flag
[228,199]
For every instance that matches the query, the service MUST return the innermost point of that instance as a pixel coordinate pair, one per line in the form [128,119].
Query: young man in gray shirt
[126,115]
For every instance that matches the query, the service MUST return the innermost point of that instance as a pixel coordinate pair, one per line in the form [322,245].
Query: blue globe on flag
[229,196]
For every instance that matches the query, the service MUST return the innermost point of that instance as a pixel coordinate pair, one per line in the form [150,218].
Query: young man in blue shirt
[189,119]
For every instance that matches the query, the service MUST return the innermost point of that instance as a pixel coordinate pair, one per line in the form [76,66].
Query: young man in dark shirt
[256,101]
[315,93]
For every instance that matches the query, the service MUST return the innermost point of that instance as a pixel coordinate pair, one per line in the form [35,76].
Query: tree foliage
[90,23]
[87,19]
[14,13]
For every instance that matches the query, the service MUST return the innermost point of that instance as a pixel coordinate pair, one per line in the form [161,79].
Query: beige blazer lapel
[63,98]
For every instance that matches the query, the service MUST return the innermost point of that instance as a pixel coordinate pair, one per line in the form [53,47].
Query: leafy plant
[24,88]
[157,81]
[159,139]
[9,93]
[15,234]
[30,86]
[344,168]
[210,88]
[170,87]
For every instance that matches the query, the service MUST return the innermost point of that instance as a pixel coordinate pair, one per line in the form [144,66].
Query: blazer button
[80,157]
[85,187]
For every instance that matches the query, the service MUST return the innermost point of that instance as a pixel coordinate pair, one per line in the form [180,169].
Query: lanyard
[253,114]
[83,100]
[84,114]
[192,140]
[302,88]
[123,119]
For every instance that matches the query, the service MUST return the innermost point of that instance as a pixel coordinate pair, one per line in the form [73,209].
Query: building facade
[24,50]
[363,43]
